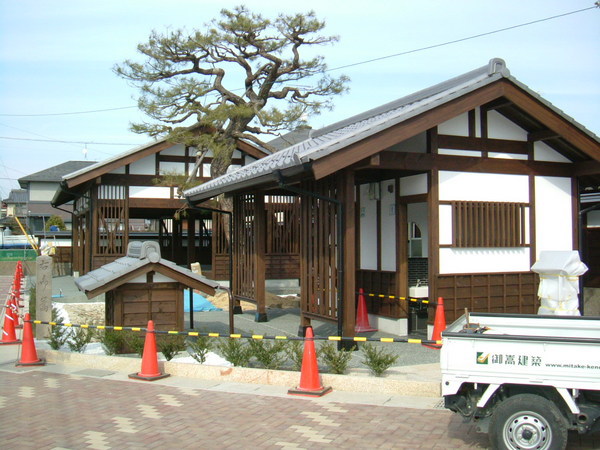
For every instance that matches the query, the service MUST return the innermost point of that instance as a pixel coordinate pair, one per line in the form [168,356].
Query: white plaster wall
[488,187]
[499,127]
[144,166]
[248,159]
[482,260]
[457,126]
[388,225]
[171,167]
[176,150]
[417,212]
[368,230]
[40,191]
[205,170]
[593,218]
[414,185]
[236,154]
[553,214]
[149,192]
[118,170]
[543,152]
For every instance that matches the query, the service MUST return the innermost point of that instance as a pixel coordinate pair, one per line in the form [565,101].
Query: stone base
[137,376]
[39,362]
[316,393]
[261,317]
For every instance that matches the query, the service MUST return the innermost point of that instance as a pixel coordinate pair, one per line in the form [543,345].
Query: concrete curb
[397,383]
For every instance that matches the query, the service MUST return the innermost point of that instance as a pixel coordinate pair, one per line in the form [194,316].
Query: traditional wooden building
[142,286]
[118,200]
[457,187]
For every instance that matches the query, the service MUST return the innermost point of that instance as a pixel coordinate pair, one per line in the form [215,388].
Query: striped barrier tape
[244,336]
[394,297]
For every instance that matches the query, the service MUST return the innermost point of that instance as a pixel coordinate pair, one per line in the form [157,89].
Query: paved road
[42,409]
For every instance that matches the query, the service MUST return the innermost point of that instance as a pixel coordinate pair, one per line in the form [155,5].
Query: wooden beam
[347,190]
[408,128]
[552,120]
[425,161]
[542,135]
[149,203]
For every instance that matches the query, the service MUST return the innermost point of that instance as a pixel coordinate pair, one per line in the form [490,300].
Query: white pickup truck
[524,379]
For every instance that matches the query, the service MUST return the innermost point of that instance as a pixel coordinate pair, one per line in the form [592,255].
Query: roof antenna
[85,151]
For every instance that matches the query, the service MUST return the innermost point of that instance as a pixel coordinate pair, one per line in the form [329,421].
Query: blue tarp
[200,304]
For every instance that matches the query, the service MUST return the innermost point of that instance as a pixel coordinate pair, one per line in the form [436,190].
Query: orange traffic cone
[150,371]
[13,304]
[29,355]
[310,382]
[439,324]
[8,332]
[362,316]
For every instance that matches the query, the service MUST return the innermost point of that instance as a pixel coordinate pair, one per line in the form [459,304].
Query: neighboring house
[40,188]
[457,187]
[113,197]
[15,204]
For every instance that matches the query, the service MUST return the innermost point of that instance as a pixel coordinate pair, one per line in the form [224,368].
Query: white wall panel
[482,260]
[176,150]
[507,156]
[149,192]
[368,230]
[388,225]
[414,185]
[499,127]
[445,213]
[543,152]
[458,126]
[488,187]
[42,192]
[171,167]
[553,214]
[456,152]
[418,213]
[144,166]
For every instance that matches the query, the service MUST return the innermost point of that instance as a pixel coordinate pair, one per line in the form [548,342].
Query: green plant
[269,354]
[112,341]
[235,351]
[295,352]
[55,221]
[134,342]
[199,348]
[58,333]
[78,339]
[171,345]
[336,360]
[376,359]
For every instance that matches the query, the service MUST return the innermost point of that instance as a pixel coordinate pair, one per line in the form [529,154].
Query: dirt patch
[85,313]
[221,300]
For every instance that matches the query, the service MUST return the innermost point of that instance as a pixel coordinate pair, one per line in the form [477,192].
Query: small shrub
[199,348]
[269,354]
[376,359]
[336,360]
[79,339]
[295,352]
[112,341]
[235,351]
[58,333]
[134,342]
[171,345]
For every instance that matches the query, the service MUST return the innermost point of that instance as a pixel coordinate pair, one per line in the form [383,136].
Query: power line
[66,142]
[68,113]
[461,39]
[429,47]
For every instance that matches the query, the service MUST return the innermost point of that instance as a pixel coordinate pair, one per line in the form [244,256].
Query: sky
[58,57]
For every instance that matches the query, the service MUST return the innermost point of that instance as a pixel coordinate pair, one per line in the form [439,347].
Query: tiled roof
[329,139]
[16,196]
[139,254]
[56,173]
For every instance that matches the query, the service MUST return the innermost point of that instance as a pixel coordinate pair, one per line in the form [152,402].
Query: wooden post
[259,264]
[347,197]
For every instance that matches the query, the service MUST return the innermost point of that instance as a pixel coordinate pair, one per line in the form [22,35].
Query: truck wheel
[527,421]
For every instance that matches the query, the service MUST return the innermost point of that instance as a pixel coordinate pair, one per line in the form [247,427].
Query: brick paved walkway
[44,410]
[49,411]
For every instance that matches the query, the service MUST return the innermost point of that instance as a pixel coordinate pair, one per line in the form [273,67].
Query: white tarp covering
[559,282]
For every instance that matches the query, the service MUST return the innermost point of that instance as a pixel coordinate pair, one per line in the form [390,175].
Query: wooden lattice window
[489,224]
